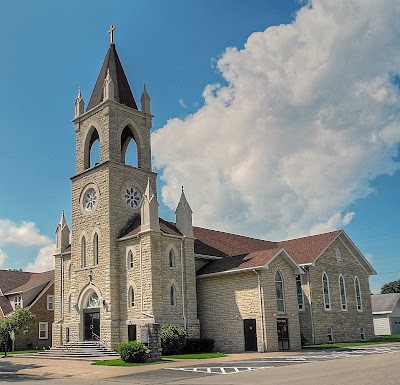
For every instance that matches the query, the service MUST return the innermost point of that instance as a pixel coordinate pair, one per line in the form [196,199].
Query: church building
[122,270]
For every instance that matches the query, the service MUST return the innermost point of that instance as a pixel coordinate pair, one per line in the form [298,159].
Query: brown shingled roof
[122,90]
[34,280]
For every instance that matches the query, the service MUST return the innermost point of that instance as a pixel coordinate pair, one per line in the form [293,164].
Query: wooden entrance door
[92,323]
[283,333]
[250,335]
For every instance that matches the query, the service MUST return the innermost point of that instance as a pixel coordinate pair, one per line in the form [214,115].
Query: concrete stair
[85,349]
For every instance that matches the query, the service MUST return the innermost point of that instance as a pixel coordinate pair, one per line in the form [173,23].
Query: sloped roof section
[133,228]
[384,303]
[122,90]
[34,280]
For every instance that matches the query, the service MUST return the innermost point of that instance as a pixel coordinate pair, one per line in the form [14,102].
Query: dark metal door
[250,335]
[92,325]
[283,333]
[132,336]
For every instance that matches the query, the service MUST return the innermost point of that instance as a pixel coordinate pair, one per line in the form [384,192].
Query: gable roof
[12,282]
[384,303]
[122,90]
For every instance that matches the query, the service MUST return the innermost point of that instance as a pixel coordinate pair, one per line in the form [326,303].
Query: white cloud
[182,103]
[24,234]
[44,260]
[3,257]
[309,116]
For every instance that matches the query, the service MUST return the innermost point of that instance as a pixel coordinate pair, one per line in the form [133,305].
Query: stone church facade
[121,270]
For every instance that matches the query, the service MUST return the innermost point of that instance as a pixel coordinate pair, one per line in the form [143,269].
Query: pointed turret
[62,235]
[184,216]
[149,210]
[79,105]
[122,90]
[145,101]
[108,87]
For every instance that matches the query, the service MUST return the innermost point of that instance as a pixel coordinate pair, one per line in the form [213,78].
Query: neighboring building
[34,292]
[122,271]
[386,313]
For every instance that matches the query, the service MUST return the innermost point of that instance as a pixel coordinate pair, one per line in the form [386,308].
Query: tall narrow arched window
[131,260]
[129,148]
[83,251]
[342,288]
[357,289]
[92,148]
[172,295]
[131,297]
[95,249]
[171,258]
[280,300]
[325,289]
[300,296]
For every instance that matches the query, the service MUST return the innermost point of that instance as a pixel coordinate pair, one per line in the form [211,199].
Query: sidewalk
[36,365]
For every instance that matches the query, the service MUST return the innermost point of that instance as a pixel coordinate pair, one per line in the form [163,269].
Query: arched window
[95,249]
[131,260]
[171,258]
[280,301]
[325,288]
[357,289]
[172,295]
[129,148]
[83,251]
[300,296]
[92,149]
[131,297]
[342,288]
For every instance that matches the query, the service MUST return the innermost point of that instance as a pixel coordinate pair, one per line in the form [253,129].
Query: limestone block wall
[346,324]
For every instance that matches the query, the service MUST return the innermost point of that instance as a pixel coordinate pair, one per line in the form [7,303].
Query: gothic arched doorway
[91,317]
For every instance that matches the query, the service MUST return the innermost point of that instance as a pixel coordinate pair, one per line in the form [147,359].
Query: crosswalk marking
[221,369]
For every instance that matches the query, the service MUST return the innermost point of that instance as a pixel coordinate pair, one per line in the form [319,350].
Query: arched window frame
[342,293]
[357,291]
[83,251]
[130,260]
[93,135]
[129,134]
[300,294]
[172,295]
[95,249]
[326,292]
[131,297]
[171,258]
[280,292]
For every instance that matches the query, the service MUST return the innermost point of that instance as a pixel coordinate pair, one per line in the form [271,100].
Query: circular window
[133,197]
[90,199]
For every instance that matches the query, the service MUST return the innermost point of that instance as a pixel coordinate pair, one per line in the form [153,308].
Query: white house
[386,313]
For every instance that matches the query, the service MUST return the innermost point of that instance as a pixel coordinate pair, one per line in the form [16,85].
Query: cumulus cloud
[24,234]
[3,257]
[308,116]
[44,260]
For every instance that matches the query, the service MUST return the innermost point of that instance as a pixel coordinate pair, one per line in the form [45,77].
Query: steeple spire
[122,90]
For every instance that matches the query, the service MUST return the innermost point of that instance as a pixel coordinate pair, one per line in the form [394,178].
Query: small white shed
[386,313]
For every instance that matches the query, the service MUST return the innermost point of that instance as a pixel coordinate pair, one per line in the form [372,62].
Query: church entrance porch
[91,324]
[283,333]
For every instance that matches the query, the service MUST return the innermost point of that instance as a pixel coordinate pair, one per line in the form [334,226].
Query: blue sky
[278,93]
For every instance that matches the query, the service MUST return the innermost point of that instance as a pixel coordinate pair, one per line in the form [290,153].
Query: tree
[391,287]
[19,322]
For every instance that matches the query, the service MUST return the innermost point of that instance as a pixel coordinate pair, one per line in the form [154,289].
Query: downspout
[260,298]
[141,279]
[183,287]
[62,294]
[311,308]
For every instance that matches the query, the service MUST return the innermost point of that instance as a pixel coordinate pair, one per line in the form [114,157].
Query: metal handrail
[97,338]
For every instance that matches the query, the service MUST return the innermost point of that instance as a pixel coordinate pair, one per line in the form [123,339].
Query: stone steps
[85,349]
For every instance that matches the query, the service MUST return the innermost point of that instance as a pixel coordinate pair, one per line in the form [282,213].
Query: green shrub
[133,352]
[199,345]
[173,339]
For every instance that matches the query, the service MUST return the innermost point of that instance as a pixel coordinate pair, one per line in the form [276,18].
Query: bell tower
[107,195]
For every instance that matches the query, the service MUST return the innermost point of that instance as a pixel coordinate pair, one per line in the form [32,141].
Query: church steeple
[122,90]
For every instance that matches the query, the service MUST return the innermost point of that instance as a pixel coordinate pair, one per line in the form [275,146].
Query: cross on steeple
[111,33]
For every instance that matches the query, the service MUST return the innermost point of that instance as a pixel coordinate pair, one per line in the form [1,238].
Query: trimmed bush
[133,351]
[173,339]
[199,345]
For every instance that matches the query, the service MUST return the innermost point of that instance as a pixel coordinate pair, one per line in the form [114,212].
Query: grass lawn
[196,356]
[377,340]
[119,362]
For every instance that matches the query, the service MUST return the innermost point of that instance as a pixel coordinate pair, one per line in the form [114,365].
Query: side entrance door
[92,323]
[283,333]
[250,335]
